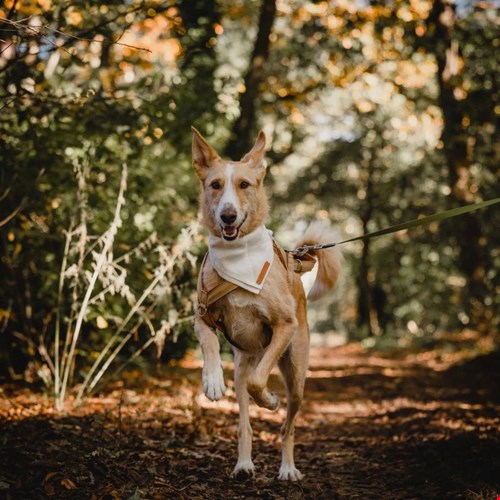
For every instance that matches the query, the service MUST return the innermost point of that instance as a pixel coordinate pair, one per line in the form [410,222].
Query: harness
[206,298]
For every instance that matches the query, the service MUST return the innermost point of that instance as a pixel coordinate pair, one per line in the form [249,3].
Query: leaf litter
[373,425]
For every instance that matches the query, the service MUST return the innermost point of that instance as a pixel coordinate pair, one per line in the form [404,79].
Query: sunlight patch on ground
[341,372]
[409,411]
[328,339]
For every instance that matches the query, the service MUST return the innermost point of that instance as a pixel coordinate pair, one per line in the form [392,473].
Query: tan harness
[206,298]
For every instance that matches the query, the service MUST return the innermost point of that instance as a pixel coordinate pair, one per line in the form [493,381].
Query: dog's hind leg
[293,366]
[243,365]
[212,376]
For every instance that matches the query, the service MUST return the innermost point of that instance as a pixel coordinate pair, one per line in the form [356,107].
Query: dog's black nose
[228,215]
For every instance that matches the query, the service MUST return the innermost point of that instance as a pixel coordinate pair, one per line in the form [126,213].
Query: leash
[439,216]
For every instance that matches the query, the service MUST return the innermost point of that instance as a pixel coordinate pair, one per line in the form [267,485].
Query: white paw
[244,469]
[213,383]
[289,473]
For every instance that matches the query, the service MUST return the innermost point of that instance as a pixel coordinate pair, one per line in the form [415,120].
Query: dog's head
[233,198]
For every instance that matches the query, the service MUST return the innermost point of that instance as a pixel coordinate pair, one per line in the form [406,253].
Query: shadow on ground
[373,426]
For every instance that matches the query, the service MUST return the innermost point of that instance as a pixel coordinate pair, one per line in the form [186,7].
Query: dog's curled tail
[329,259]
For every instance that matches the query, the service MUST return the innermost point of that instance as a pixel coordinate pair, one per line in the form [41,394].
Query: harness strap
[207,298]
[292,264]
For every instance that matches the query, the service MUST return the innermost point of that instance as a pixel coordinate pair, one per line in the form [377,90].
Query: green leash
[447,214]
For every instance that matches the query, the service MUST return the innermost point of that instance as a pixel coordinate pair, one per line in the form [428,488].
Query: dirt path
[373,426]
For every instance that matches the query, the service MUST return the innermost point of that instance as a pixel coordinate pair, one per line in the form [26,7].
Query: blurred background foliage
[376,113]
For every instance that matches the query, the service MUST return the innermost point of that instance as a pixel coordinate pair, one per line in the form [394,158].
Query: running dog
[250,289]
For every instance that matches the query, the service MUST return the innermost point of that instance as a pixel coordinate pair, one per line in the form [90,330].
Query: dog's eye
[244,185]
[215,185]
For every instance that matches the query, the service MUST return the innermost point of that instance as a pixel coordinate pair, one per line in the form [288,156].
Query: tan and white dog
[266,320]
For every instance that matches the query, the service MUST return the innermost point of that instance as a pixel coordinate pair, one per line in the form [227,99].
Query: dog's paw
[289,473]
[274,402]
[268,400]
[213,384]
[264,398]
[243,470]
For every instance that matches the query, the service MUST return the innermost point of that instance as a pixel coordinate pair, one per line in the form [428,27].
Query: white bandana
[245,261]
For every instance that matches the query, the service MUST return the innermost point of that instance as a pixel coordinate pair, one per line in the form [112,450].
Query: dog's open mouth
[230,232]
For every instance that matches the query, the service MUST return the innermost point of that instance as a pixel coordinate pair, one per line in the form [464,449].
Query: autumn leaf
[49,476]
[68,484]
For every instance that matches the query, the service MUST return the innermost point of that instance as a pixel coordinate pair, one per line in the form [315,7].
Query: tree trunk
[241,139]
[466,229]
[367,314]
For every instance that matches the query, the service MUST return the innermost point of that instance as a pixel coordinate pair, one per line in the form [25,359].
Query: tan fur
[210,168]
[329,259]
[270,328]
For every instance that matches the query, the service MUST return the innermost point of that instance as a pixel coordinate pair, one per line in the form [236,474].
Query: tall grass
[91,274]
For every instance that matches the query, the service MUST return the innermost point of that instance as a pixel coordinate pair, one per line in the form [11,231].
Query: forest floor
[403,424]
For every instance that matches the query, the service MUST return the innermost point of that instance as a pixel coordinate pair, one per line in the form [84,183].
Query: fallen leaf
[49,476]
[68,484]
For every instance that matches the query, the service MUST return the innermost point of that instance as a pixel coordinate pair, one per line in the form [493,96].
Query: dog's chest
[246,320]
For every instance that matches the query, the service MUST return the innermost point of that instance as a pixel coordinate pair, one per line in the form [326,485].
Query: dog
[263,311]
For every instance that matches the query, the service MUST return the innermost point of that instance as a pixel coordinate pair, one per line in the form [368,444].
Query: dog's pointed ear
[256,154]
[203,154]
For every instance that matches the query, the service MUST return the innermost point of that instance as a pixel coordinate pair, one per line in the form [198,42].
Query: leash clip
[299,252]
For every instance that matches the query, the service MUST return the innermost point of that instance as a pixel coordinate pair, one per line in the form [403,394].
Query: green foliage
[367,129]
[374,114]
[70,120]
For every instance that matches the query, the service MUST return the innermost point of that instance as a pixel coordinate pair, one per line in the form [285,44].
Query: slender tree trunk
[241,139]
[367,314]
[466,229]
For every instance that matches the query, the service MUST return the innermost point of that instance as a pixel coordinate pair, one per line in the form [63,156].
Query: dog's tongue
[229,231]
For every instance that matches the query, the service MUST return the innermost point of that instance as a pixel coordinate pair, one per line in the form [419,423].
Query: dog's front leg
[243,365]
[257,384]
[213,377]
